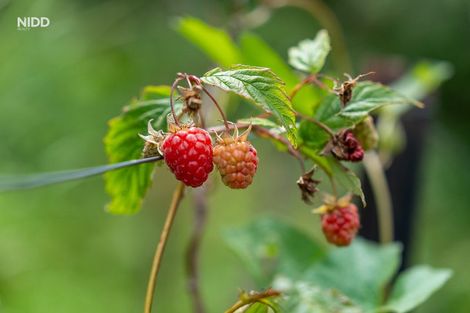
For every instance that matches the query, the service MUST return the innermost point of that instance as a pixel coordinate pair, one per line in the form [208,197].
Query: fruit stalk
[177,196]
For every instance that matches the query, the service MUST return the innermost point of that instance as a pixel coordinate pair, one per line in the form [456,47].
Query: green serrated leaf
[127,186]
[360,271]
[215,42]
[367,97]
[259,121]
[268,247]
[310,55]
[260,85]
[414,286]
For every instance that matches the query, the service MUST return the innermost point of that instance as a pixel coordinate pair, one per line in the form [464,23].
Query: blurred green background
[59,250]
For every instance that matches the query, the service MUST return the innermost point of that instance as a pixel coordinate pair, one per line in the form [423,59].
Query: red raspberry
[340,225]
[188,153]
[236,160]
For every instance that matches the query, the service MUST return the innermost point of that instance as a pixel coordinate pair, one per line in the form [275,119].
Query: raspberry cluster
[340,225]
[237,161]
[188,154]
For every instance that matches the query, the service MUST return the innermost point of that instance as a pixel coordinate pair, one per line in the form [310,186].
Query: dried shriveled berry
[346,147]
[236,160]
[188,153]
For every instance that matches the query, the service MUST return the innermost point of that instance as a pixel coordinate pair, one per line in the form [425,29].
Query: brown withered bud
[345,91]
[191,98]
[345,147]
[153,141]
[308,186]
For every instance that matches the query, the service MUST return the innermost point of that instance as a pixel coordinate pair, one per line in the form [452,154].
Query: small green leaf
[346,178]
[256,308]
[360,271]
[260,85]
[310,55]
[259,121]
[127,186]
[215,42]
[342,175]
[367,97]
[414,286]
[257,52]
[268,247]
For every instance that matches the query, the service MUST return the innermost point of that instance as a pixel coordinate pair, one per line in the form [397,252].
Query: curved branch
[177,196]
[193,249]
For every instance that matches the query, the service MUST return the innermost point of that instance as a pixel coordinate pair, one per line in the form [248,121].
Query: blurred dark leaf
[360,271]
[268,247]
[414,286]
[260,85]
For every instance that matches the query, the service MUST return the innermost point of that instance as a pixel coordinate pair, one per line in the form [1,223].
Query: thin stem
[193,249]
[227,128]
[252,298]
[11,183]
[173,87]
[263,132]
[318,123]
[177,196]
[308,80]
[383,200]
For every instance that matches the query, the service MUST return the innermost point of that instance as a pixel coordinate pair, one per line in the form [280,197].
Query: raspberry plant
[324,122]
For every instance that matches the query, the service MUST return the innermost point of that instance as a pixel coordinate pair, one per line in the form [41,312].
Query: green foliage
[414,286]
[127,186]
[310,55]
[269,247]
[367,97]
[213,41]
[260,85]
[360,271]
[339,173]
[346,280]
[257,52]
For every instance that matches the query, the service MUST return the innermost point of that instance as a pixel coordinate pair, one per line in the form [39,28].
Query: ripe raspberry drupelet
[236,160]
[188,154]
[340,225]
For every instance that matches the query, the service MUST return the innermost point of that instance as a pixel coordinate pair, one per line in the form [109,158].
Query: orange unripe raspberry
[236,160]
